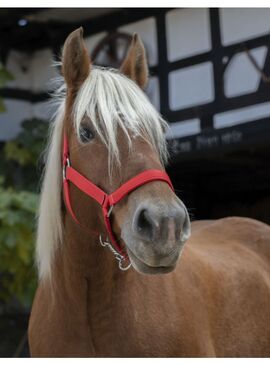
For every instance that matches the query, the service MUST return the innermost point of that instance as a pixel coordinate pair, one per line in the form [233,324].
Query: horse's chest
[129,336]
[143,324]
[133,332]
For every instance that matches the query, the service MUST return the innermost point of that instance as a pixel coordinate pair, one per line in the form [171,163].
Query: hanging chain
[120,258]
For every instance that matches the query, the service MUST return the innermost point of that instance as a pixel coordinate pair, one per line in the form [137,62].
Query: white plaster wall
[43,70]
[184,128]
[31,71]
[241,77]
[242,115]
[10,121]
[188,33]
[240,24]
[191,86]
[17,111]
[18,63]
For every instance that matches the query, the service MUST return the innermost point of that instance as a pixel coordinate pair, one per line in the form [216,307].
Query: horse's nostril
[142,220]
[145,224]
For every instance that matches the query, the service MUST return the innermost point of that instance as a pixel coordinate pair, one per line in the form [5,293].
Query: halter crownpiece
[106,201]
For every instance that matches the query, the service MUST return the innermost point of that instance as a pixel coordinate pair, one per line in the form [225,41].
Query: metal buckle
[65,167]
[120,258]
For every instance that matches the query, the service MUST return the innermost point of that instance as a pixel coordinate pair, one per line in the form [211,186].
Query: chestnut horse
[215,302]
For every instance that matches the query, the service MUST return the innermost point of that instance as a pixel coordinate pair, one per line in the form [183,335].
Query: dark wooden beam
[37,35]
[11,16]
[24,95]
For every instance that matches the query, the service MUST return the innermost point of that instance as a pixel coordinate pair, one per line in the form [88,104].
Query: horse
[120,274]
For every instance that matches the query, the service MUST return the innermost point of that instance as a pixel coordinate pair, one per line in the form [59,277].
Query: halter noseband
[104,200]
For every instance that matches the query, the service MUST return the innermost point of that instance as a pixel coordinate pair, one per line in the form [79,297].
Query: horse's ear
[75,59]
[135,64]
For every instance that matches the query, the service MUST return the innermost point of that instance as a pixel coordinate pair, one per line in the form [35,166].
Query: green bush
[19,181]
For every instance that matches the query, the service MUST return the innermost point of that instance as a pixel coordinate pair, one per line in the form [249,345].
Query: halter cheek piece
[104,200]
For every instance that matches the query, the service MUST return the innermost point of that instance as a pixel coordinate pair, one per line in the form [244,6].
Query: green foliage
[17,211]
[19,179]
[5,76]
[21,156]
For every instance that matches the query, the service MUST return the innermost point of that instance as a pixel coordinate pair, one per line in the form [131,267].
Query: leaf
[6,197]
[11,240]
[28,201]
[17,153]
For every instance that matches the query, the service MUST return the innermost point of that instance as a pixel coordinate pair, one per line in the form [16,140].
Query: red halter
[105,201]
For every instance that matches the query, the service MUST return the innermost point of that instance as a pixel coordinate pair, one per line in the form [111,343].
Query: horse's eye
[86,135]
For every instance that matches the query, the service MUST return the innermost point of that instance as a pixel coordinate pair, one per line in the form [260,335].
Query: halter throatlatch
[104,200]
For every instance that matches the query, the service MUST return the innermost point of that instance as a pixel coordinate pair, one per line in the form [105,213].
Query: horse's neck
[82,265]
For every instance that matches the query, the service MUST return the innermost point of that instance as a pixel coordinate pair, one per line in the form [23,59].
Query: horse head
[114,134]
